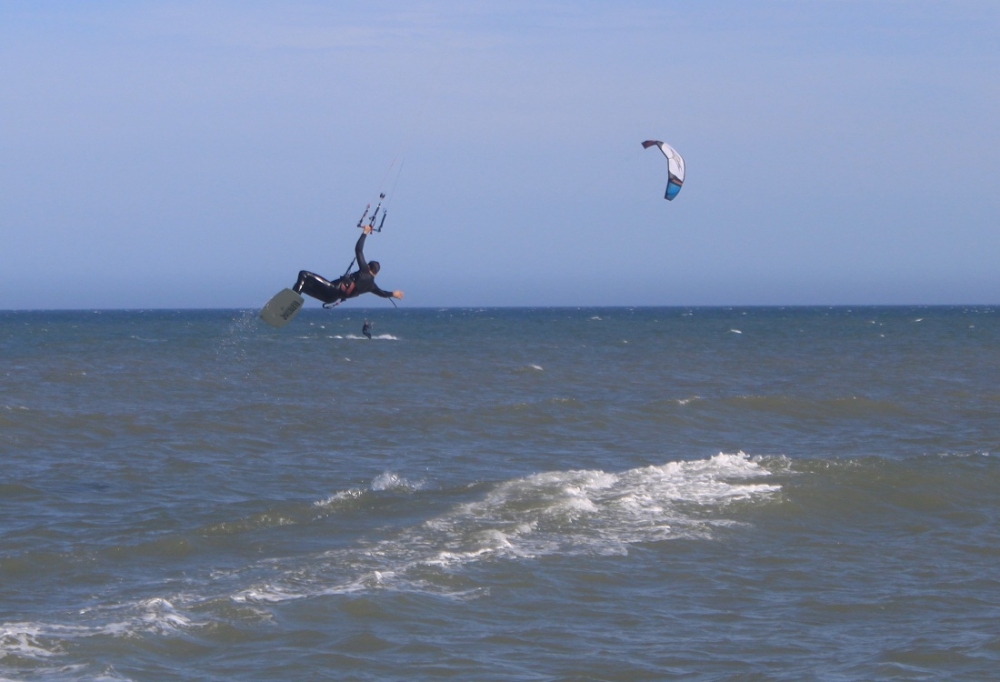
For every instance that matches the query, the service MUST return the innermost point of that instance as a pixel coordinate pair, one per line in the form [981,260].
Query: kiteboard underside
[280,310]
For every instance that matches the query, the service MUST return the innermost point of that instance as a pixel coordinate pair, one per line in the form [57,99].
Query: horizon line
[522,307]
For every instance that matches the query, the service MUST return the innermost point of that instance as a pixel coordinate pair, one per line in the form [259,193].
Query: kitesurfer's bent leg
[301,281]
[311,284]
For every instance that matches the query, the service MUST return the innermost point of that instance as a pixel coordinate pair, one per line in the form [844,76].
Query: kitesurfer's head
[374,267]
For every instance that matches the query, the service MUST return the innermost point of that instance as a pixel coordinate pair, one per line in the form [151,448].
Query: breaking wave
[562,512]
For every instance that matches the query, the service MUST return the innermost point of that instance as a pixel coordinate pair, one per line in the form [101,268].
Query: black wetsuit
[360,282]
[366,329]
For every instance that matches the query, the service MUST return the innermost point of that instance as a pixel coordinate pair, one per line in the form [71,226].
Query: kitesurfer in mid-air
[362,281]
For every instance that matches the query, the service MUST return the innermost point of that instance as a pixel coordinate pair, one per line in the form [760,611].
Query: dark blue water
[550,494]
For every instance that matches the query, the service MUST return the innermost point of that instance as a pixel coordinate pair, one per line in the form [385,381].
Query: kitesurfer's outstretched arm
[359,250]
[364,268]
[385,294]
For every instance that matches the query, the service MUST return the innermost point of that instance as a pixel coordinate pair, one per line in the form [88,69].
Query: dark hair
[374,267]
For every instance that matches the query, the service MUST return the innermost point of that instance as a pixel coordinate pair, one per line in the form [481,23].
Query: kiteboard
[280,310]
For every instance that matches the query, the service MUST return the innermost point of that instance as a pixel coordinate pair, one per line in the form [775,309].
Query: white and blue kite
[675,167]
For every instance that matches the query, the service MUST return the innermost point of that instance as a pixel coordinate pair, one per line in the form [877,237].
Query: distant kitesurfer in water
[349,286]
[366,329]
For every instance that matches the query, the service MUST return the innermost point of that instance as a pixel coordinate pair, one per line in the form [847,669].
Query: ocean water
[501,494]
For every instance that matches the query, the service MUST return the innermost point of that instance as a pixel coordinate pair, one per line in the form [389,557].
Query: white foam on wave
[266,594]
[41,641]
[156,616]
[563,512]
[576,512]
[338,498]
[24,640]
[389,480]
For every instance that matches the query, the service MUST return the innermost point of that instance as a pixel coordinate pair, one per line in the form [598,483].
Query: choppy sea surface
[501,494]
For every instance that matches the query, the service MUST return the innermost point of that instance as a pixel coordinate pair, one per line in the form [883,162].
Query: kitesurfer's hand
[368,229]
[397,294]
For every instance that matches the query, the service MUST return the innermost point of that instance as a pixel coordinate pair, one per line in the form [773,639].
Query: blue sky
[199,154]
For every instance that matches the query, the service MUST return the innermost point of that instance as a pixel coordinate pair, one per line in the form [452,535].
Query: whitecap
[337,498]
[565,512]
[266,594]
[375,337]
[559,512]
[24,640]
[389,480]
